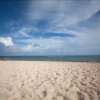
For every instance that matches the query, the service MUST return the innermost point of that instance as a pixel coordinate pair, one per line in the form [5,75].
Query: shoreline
[88,58]
[48,61]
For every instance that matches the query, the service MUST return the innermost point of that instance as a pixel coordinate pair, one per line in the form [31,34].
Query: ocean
[90,58]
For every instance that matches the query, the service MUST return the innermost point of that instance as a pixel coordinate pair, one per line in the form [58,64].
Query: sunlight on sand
[44,80]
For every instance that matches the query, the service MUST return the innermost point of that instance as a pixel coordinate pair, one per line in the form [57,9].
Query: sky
[49,27]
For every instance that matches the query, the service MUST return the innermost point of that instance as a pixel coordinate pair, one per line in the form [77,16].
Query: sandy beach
[45,80]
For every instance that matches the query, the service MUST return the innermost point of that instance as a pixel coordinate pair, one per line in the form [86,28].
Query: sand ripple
[27,80]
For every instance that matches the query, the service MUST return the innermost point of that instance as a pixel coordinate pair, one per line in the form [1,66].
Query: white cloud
[82,44]
[54,45]
[61,14]
[24,31]
[27,48]
[6,41]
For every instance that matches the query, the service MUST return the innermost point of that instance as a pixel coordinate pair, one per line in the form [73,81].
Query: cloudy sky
[49,27]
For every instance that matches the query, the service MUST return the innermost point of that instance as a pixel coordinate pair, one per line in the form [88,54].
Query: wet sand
[45,80]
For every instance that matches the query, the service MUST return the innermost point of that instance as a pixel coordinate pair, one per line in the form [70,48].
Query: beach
[48,80]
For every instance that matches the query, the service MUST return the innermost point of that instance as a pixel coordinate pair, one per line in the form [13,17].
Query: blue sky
[49,27]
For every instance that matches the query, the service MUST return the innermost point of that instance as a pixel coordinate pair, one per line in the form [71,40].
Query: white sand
[41,80]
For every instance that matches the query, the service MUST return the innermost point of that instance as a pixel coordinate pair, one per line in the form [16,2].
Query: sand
[45,80]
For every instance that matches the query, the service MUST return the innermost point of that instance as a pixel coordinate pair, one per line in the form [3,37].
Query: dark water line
[94,58]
